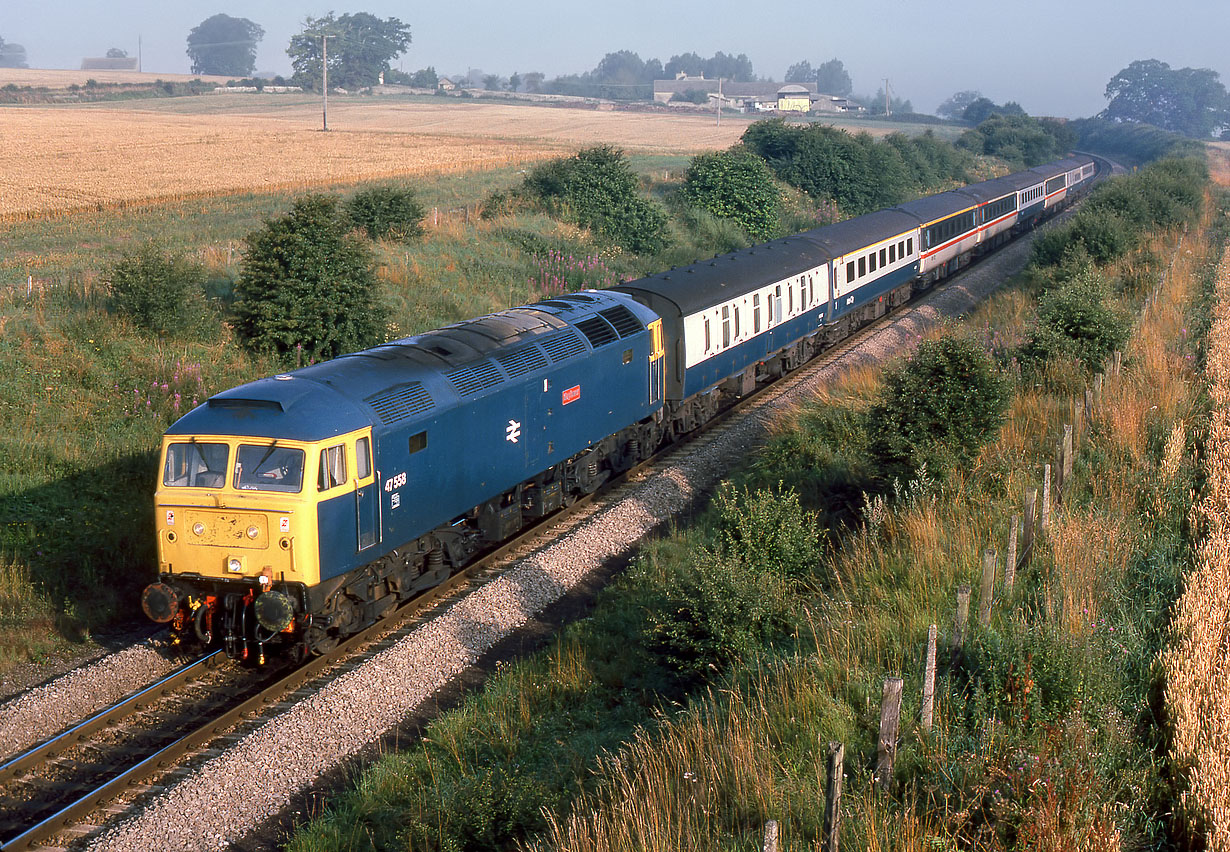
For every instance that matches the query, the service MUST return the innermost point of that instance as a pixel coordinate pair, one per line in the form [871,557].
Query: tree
[689,64]
[306,285]
[12,55]
[954,107]
[117,53]
[360,48]
[801,72]
[224,45]
[514,82]
[727,67]
[425,78]
[491,82]
[533,81]
[832,79]
[625,68]
[735,184]
[1191,101]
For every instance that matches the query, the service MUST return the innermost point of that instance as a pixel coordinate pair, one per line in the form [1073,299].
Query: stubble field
[62,159]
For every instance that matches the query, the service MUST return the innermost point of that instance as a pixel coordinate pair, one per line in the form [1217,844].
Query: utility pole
[138,53]
[324,67]
[887,111]
[719,103]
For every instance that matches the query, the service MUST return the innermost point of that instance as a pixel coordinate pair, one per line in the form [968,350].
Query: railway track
[61,788]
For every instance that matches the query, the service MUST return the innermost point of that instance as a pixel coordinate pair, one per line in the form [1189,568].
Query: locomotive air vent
[398,403]
[563,346]
[473,378]
[558,305]
[597,330]
[521,361]
[624,320]
[578,297]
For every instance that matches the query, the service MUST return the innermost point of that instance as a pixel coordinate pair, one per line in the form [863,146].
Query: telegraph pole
[324,67]
[719,103]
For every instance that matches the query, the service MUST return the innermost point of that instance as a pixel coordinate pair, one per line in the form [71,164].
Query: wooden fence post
[1027,540]
[890,720]
[1118,363]
[1088,405]
[1067,455]
[770,836]
[1010,564]
[928,694]
[1046,497]
[1097,391]
[986,594]
[958,628]
[1078,419]
[832,798]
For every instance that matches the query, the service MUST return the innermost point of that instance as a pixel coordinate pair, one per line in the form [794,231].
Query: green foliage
[1019,139]
[831,78]
[766,531]
[157,290]
[735,184]
[1191,101]
[691,96]
[306,287]
[857,172]
[596,189]
[387,212]
[1075,320]
[360,47]
[939,405]
[224,45]
[1131,143]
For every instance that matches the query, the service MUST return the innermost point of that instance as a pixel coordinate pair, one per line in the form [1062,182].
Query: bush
[766,531]
[737,185]
[1075,321]
[306,286]
[937,406]
[596,189]
[387,212]
[158,291]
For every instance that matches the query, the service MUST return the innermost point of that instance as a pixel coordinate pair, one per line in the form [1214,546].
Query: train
[295,510]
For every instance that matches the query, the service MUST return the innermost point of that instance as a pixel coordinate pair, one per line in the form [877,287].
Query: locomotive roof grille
[624,321]
[563,346]
[522,361]
[400,402]
[597,330]
[473,378]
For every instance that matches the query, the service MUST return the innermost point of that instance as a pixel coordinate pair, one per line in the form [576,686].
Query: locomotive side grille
[562,346]
[473,378]
[400,402]
[597,330]
[624,320]
[521,361]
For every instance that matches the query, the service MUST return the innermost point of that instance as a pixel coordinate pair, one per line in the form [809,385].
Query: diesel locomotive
[299,508]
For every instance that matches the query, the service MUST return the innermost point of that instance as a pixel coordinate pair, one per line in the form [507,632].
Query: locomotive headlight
[234,565]
[198,528]
[253,532]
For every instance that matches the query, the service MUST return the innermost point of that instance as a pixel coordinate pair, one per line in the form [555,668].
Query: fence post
[1046,497]
[1027,540]
[928,694]
[1097,391]
[986,594]
[832,801]
[958,629]
[1067,455]
[1010,563]
[1088,405]
[1118,362]
[890,720]
[770,836]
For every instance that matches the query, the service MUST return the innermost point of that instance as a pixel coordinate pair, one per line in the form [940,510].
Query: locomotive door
[657,362]
[366,495]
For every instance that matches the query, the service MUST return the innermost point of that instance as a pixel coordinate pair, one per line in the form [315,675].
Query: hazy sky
[928,50]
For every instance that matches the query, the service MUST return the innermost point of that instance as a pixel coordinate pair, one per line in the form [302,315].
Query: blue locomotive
[299,508]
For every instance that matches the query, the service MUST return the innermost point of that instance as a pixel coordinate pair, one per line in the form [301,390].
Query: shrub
[306,285]
[387,212]
[596,189]
[939,405]
[735,184]
[766,530]
[157,290]
[1075,321]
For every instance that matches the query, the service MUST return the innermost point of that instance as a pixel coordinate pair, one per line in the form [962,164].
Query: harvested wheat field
[62,78]
[61,159]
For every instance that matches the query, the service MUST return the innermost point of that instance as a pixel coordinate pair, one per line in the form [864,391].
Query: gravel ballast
[234,792]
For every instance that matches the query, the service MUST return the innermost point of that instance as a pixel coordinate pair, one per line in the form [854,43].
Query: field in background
[62,78]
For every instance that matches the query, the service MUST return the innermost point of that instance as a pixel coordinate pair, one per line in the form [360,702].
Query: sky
[1054,57]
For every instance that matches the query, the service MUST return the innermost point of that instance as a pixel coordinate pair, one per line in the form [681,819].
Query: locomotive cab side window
[332,467]
[418,442]
[363,458]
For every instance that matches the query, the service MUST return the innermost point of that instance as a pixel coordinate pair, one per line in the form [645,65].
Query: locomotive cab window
[269,468]
[332,467]
[418,442]
[363,458]
[195,465]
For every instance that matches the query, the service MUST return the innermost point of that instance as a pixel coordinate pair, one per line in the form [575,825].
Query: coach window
[883,257]
[871,265]
[725,327]
[909,246]
[777,305]
[790,297]
[736,322]
[363,458]
[862,266]
[756,313]
[332,467]
[892,253]
[708,340]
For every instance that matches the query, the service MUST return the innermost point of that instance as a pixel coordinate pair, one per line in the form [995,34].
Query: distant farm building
[109,63]
[751,97]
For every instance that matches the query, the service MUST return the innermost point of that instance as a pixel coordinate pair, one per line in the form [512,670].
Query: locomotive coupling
[160,602]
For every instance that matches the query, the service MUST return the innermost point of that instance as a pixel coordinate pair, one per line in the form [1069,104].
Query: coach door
[657,362]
